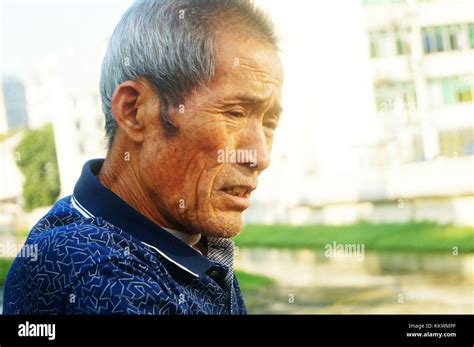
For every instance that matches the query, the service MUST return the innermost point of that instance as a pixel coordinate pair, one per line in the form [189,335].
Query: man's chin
[226,225]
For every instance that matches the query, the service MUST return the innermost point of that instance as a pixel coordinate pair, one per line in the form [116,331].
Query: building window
[418,148]
[395,97]
[451,90]
[465,90]
[429,44]
[438,35]
[454,39]
[446,38]
[382,44]
[389,43]
[457,142]
[403,42]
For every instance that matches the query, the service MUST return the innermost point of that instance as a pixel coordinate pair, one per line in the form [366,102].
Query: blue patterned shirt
[98,255]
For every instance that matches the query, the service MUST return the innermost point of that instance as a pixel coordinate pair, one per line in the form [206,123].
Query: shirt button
[214,273]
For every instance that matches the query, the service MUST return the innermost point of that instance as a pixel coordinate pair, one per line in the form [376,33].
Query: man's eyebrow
[254,99]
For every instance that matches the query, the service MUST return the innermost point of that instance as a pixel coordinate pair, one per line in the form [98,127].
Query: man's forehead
[251,88]
[243,55]
[247,71]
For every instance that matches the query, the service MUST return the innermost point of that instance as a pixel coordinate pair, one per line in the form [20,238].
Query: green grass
[414,236]
[250,282]
[5,264]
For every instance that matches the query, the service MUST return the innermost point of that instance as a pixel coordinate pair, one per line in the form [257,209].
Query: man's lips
[242,191]
[237,196]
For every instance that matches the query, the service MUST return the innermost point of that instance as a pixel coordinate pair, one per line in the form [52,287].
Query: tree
[36,158]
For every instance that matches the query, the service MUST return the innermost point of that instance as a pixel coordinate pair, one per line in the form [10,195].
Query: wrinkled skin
[177,180]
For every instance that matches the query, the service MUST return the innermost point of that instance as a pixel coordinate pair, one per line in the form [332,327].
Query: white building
[407,155]
[423,72]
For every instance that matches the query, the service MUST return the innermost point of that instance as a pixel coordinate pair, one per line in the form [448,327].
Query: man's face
[201,178]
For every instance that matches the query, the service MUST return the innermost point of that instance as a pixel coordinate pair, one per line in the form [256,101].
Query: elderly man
[147,231]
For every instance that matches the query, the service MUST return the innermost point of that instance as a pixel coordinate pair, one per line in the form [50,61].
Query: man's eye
[237,114]
[271,125]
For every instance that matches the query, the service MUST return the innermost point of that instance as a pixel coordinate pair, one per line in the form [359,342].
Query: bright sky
[31,30]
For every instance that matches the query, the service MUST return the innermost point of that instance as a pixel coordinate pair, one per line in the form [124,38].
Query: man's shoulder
[65,234]
[63,249]
[61,214]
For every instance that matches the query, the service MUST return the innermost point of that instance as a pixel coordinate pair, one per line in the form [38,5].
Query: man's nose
[257,146]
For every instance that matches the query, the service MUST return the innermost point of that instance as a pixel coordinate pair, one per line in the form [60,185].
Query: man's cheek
[206,185]
[189,186]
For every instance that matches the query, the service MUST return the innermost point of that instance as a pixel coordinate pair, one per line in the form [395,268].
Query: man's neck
[190,239]
[121,178]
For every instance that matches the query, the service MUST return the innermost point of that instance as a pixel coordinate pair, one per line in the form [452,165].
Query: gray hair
[170,43]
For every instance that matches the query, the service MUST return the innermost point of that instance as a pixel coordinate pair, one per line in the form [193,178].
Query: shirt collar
[189,239]
[93,199]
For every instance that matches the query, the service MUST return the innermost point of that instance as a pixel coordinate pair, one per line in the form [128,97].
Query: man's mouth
[237,197]
[240,191]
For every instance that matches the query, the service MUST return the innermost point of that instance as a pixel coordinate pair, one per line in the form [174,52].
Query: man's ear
[127,101]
